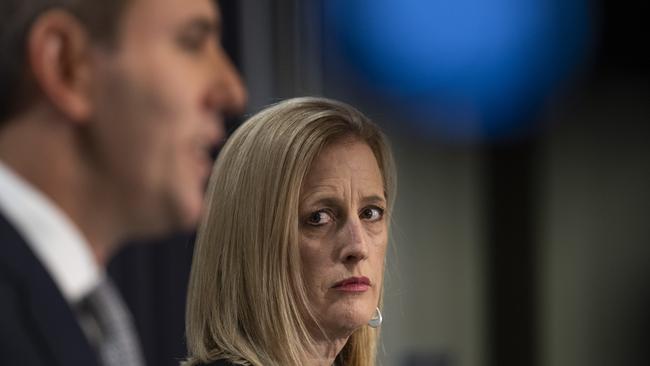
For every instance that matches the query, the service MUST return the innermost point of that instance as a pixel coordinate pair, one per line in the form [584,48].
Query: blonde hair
[246,301]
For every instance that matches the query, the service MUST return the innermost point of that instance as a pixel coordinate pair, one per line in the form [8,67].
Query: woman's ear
[60,57]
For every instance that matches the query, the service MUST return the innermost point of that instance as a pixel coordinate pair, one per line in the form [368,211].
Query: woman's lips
[353,284]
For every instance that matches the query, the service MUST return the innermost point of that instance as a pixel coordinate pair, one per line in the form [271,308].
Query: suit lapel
[54,322]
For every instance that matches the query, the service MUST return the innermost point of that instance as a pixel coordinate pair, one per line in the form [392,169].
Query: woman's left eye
[372,213]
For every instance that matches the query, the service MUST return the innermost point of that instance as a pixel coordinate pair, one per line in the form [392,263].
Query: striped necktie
[107,323]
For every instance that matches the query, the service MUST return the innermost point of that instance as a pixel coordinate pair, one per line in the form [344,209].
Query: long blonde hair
[246,301]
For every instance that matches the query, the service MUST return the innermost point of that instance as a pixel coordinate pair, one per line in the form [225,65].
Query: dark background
[543,257]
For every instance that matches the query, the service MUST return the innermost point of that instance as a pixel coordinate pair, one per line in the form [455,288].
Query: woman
[288,264]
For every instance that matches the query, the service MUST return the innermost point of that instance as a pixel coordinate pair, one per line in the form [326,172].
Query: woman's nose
[354,241]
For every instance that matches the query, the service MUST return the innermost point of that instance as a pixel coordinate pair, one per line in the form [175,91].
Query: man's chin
[183,219]
[188,219]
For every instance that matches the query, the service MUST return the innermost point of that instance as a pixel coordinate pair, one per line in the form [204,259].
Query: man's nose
[354,241]
[228,93]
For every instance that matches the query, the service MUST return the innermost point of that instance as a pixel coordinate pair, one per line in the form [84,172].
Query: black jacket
[37,327]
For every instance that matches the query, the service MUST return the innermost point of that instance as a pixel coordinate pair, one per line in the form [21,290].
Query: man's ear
[59,53]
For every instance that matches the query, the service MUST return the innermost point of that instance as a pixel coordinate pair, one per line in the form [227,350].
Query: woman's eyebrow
[323,201]
[375,198]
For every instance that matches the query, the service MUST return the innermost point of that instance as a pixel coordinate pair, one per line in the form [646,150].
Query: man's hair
[100,18]
[247,301]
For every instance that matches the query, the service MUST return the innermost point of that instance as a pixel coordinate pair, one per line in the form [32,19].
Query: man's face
[158,99]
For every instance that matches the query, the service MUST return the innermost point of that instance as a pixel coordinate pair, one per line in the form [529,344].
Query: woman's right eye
[319,218]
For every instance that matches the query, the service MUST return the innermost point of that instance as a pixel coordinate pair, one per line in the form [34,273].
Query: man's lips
[353,284]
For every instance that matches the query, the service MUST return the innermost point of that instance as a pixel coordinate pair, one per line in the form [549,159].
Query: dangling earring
[376,320]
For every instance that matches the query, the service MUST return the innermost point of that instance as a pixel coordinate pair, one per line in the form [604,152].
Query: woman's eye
[319,218]
[372,213]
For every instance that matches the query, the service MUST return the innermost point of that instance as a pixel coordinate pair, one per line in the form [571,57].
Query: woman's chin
[343,325]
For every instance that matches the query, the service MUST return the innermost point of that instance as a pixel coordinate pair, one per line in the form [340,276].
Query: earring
[376,320]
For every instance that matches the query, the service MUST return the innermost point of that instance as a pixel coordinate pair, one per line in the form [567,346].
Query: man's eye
[372,213]
[319,218]
[192,41]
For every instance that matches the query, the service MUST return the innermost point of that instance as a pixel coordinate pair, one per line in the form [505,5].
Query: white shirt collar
[51,235]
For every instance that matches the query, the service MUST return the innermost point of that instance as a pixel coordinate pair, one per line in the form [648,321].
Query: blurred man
[108,112]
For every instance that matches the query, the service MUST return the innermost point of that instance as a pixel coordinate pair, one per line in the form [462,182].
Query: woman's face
[343,235]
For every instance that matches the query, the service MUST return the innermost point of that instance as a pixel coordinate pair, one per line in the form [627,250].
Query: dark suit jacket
[37,327]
